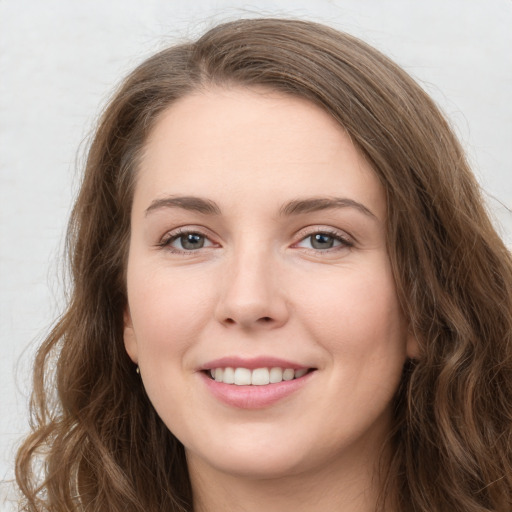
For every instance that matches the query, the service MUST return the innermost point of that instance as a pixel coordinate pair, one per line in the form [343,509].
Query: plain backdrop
[61,59]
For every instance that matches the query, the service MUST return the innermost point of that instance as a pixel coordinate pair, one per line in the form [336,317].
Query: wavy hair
[97,444]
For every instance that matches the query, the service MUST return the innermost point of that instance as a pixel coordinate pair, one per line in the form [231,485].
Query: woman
[287,294]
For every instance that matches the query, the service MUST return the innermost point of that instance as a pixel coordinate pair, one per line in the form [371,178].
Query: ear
[130,342]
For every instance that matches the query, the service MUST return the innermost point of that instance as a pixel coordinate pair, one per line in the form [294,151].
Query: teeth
[260,377]
[300,373]
[288,374]
[228,376]
[242,377]
[257,377]
[276,375]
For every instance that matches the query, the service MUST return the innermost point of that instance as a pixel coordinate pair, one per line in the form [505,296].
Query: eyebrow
[295,207]
[316,204]
[191,203]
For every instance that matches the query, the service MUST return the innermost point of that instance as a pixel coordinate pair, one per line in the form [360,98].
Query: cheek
[357,317]
[168,311]
[168,314]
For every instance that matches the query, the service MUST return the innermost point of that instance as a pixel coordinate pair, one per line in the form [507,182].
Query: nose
[252,295]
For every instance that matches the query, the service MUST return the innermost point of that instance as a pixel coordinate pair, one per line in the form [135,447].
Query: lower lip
[254,397]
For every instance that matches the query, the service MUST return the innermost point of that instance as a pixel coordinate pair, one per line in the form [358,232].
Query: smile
[257,376]
[260,387]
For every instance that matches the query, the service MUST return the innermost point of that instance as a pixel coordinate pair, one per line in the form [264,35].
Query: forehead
[250,142]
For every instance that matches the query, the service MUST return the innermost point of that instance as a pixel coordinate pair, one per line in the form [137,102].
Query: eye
[323,240]
[189,241]
[186,241]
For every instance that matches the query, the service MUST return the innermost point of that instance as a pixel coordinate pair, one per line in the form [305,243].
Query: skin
[258,287]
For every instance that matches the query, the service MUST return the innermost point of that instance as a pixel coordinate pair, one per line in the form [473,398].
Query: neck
[329,488]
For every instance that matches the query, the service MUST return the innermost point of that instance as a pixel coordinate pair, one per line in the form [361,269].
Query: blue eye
[189,241]
[323,241]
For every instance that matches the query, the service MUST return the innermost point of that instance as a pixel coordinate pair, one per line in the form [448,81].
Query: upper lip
[252,363]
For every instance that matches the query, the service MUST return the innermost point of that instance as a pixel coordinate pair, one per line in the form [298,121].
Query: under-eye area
[256,377]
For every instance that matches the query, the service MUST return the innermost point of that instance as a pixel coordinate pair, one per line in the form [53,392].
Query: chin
[252,458]
[257,466]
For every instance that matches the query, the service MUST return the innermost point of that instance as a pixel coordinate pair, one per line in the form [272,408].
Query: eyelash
[345,242]
[171,237]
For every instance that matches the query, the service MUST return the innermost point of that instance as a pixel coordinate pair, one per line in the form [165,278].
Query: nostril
[261,321]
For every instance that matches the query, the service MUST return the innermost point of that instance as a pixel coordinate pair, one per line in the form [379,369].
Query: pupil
[192,241]
[322,241]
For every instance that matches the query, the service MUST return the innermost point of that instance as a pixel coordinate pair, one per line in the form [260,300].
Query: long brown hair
[97,443]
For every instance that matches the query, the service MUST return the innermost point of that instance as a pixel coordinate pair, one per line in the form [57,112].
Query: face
[258,255]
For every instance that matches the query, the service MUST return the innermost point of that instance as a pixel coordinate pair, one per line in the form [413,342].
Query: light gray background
[60,59]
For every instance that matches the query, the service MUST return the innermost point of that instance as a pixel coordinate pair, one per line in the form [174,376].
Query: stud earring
[138,370]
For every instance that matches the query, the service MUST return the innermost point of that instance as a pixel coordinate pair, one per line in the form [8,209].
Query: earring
[138,370]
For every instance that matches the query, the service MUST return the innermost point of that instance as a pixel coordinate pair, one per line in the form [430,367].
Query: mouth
[255,382]
[240,376]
